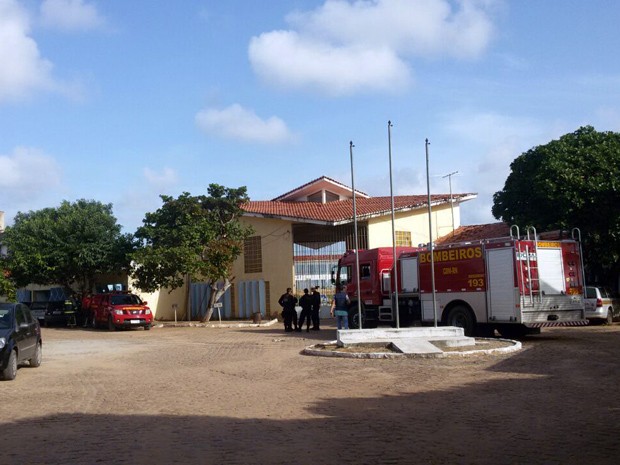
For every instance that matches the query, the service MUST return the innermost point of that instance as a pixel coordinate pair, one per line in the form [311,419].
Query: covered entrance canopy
[317,248]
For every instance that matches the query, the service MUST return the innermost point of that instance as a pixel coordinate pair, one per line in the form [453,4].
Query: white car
[599,306]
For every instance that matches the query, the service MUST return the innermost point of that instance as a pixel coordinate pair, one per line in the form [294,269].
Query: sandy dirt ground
[247,395]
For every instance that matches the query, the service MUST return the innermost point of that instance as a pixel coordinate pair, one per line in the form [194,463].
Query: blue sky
[120,101]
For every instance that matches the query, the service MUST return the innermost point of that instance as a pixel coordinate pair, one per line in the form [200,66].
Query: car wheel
[10,372]
[147,327]
[610,317]
[35,361]
[111,325]
[462,317]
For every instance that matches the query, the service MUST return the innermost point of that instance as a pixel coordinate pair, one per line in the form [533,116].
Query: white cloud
[236,122]
[27,177]
[343,47]
[25,164]
[163,180]
[70,15]
[22,69]
[286,59]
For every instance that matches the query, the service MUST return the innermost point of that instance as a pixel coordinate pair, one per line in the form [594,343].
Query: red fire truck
[512,284]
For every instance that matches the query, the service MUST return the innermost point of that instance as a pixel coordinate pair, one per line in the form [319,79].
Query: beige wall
[161,303]
[277,253]
[416,222]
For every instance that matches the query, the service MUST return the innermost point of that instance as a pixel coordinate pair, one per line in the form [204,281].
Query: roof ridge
[321,178]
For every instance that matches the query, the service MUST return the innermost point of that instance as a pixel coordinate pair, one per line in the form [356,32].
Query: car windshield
[5,317]
[126,299]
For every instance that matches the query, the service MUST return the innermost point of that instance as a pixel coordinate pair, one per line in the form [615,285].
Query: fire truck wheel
[354,319]
[462,317]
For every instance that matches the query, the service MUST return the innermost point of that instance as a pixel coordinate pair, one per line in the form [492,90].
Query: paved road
[237,396]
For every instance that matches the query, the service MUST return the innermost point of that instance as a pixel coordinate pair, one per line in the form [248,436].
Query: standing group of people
[310,306]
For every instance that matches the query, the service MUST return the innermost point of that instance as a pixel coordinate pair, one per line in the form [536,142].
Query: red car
[118,310]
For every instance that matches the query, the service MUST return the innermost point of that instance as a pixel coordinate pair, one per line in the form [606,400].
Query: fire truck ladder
[531,272]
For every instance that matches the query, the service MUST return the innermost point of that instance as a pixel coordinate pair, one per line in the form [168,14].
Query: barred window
[403,238]
[253,255]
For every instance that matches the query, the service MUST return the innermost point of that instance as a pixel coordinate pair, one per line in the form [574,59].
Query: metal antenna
[449,176]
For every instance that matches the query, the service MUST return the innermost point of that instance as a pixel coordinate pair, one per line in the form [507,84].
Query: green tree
[7,286]
[192,238]
[570,182]
[69,245]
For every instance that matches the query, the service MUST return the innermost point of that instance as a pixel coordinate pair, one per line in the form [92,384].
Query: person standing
[85,310]
[316,308]
[340,308]
[289,314]
[306,310]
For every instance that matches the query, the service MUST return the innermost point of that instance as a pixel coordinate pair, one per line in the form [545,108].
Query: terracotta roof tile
[476,232]
[342,211]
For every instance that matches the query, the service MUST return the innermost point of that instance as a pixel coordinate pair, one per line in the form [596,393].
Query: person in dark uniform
[289,314]
[306,310]
[316,307]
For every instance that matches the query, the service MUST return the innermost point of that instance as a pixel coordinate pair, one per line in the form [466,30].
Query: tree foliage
[195,237]
[570,182]
[7,286]
[69,245]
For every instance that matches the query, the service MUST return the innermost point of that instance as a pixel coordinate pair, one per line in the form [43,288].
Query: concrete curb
[319,352]
[191,324]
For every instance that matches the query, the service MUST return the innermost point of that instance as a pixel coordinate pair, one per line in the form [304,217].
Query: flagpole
[394,258]
[430,235]
[357,251]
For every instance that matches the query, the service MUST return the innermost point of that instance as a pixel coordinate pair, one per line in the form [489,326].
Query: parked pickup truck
[600,305]
[116,310]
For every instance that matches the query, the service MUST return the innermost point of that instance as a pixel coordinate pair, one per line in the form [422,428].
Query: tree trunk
[216,294]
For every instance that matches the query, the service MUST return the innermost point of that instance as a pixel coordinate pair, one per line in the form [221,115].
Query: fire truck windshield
[343,275]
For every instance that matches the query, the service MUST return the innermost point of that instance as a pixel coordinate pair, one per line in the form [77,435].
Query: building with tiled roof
[299,236]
